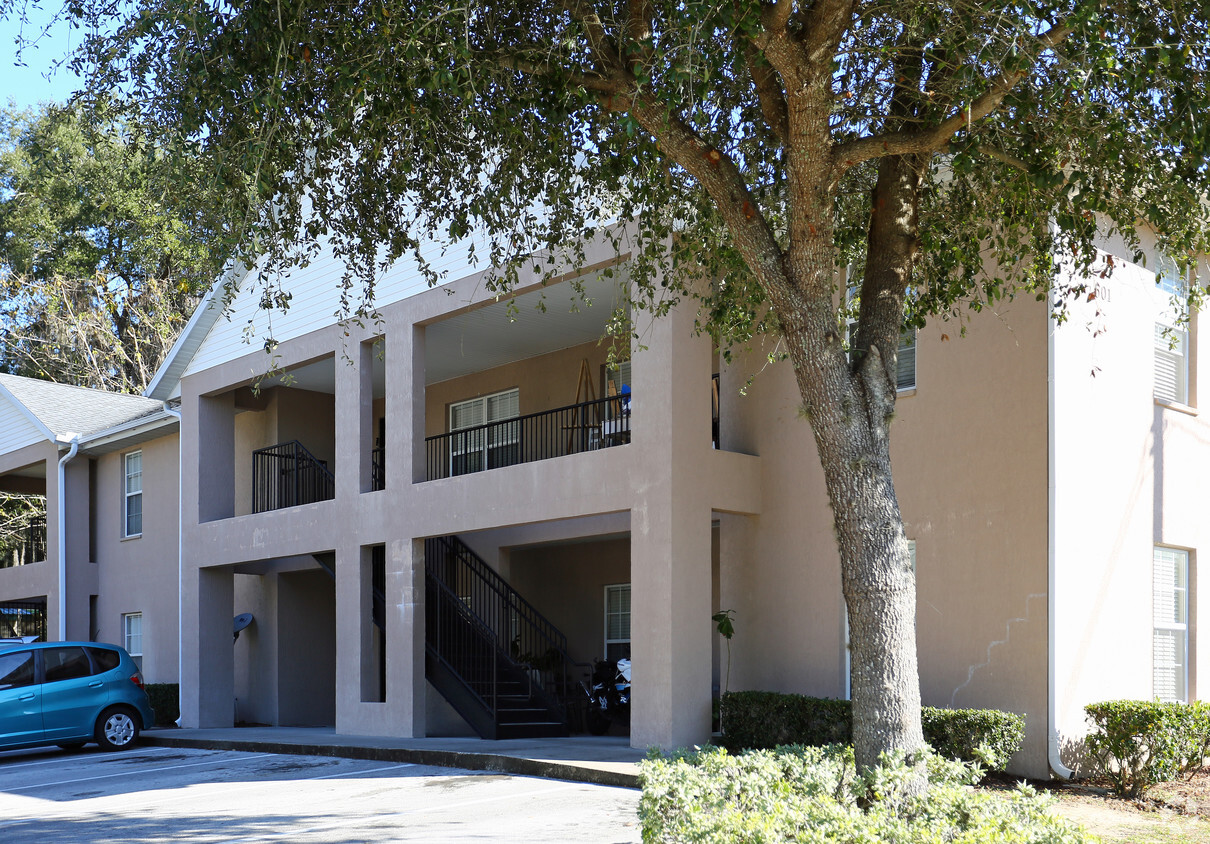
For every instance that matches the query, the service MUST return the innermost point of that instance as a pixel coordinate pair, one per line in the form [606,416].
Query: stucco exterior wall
[1129,471]
[970,464]
[543,383]
[140,574]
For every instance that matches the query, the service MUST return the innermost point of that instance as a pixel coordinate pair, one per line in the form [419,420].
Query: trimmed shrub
[1137,743]
[813,794]
[166,701]
[756,720]
[988,736]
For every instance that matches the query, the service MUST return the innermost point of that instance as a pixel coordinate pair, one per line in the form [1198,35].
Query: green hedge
[1137,743]
[814,795]
[166,701]
[753,720]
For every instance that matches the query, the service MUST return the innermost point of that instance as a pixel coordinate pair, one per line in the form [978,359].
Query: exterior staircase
[498,661]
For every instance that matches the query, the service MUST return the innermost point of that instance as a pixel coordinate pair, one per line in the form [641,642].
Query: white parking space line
[137,772]
[6,766]
[378,818]
[355,773]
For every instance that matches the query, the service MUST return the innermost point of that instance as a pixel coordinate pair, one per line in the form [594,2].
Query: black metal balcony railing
[286,475]
[23,618]
[573,429]
[378,469]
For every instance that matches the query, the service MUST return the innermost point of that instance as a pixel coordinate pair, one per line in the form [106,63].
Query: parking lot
[160,793]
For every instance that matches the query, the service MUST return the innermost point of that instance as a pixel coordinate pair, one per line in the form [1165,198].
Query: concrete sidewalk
[603,760]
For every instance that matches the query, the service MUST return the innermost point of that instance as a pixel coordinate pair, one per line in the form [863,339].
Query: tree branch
[922,141]
[768,91]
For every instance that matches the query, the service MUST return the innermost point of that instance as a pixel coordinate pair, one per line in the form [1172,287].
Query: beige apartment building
[439,517]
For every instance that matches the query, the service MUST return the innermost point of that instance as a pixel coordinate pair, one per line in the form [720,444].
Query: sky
[27,86]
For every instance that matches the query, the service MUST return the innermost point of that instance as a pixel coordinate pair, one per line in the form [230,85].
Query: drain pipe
[180,557]
[61,526]
[1052,727]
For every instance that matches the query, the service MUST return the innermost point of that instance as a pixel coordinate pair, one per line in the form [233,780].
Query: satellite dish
[240,622]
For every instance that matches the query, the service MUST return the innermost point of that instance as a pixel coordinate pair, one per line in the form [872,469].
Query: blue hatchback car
[70,693]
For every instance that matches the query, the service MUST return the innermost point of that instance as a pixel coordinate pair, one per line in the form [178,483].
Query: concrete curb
[521,766]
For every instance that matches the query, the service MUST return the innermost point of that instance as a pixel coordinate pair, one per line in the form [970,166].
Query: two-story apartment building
[99,556]
[437,516]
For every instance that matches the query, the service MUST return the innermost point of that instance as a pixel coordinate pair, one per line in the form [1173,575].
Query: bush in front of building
[814,794]
[757,720]
[166,701]
[1137,743]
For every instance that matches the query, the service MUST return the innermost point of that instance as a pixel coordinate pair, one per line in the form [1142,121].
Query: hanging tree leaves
[951,153]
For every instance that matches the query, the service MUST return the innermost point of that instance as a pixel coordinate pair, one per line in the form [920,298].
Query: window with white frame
[132,510]
[1171,364]
[132,636]
[477,448]
[1168,276]
[617,621]
[1170,638]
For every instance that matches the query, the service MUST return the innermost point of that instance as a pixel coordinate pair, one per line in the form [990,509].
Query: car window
[16,670]
[103,659]
[65,664]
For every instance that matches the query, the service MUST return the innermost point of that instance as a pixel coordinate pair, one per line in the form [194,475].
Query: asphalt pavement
[155,793]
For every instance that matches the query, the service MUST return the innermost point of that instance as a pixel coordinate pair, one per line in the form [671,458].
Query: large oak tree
[946,153]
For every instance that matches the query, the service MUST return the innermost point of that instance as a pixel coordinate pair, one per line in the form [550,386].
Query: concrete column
[214,464]
[81,571]
[406,686]
[405,451]
[208,678]
[670,568]
[354,395]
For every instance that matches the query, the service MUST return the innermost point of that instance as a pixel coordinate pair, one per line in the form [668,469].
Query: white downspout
[61,527]
[180,557]
[1052,728]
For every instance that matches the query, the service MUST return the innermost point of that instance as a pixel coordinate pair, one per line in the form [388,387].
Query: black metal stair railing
[464,645]
[286,475]
[573,429]
[524,638]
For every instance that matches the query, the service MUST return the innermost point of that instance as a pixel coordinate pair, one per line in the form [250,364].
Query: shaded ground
[1171,813]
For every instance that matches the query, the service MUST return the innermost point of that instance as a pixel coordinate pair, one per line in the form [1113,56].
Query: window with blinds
[479,448]
[617,621]
[1171,364]
[905,375]
[1170,640]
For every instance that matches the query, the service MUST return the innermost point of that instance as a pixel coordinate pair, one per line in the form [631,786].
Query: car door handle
[96,684]
[29,696]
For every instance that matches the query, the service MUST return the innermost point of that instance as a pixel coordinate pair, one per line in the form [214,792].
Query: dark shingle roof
[66,409]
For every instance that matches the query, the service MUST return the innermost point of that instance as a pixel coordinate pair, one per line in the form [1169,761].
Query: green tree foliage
[102,254]
[948,152]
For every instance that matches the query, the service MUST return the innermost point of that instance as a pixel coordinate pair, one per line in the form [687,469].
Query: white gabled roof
[43,410]
[213,337]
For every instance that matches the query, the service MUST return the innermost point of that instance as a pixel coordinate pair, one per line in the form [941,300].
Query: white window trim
[605,618]
[510,433]
[135,654]
[1172,344]
[1178,627]
[127,495]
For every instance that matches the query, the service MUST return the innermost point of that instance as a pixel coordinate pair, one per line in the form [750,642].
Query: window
[65,664]
[1168,276]
[16,670]
[1170,639]
[905,376]
[133,508]
[485,447]
[1171,364]
[617,621]
[132,636]
[103,659]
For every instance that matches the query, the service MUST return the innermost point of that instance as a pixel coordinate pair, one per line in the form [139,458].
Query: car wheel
[71,745]
[117,728]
